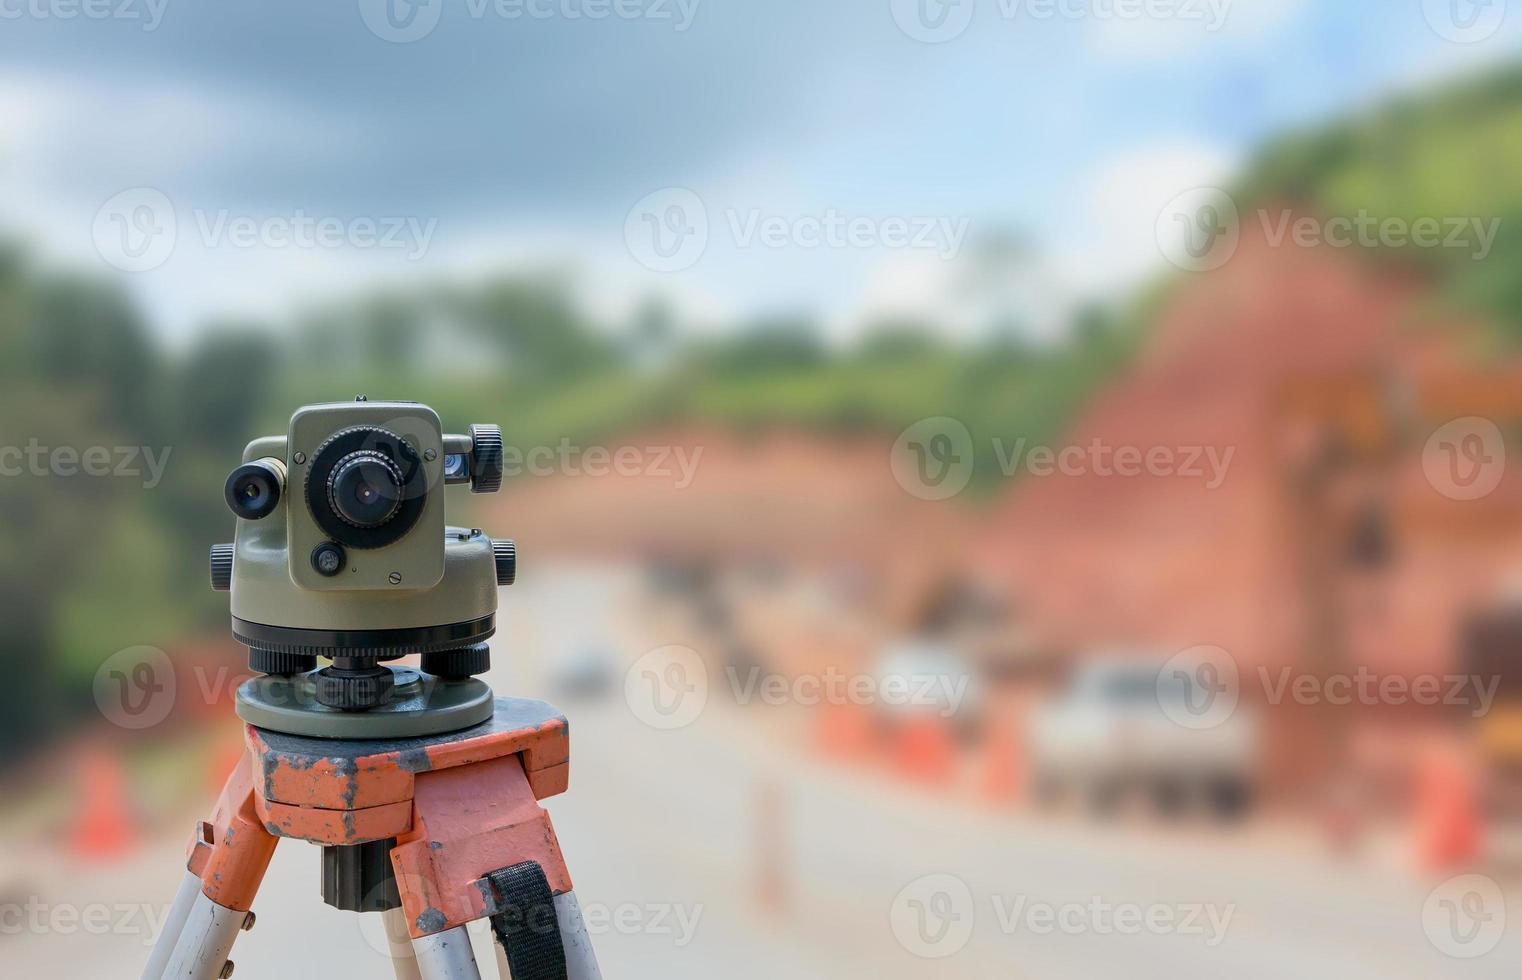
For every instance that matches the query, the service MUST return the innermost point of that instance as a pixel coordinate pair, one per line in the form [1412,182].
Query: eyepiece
[365,488]
[253,490]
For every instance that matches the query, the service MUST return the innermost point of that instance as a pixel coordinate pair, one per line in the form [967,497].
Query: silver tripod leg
[201,951]
[174,924]
[403,959]
[446,956]
[580,961]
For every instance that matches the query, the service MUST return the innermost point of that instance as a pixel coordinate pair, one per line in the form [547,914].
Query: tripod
[434,831]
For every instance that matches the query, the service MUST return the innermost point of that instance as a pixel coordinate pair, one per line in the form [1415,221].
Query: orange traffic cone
[925,749]
[1003,773]
[844,731]
[104,828]
[1449,828]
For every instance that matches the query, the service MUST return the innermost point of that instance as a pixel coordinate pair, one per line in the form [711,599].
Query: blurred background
[1016,488]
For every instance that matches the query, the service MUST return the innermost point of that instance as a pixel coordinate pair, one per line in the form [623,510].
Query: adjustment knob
[280,663]
[221,567]
[485,458]
[354,690]
[462,662]
[506,554]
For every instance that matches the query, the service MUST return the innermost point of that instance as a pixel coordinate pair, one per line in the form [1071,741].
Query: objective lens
[365,489]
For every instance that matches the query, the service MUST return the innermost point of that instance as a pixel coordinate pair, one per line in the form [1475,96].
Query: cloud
[78,130]
[1113,241]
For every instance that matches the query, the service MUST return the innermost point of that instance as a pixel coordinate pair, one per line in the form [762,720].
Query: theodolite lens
[365,489]
[253,489]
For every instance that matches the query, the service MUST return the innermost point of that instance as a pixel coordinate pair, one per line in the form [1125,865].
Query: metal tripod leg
[446,956]
[174,924]
[206,942]
[403,959]
[228,857]
[580,961]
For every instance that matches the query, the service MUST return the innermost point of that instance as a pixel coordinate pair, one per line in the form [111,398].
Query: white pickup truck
[1125,727]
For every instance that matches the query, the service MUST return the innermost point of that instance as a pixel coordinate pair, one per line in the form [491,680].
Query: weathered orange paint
[375,780]
[550,782]
[333,784]
[469,821]
[459,809]
[336,826]
[231,852]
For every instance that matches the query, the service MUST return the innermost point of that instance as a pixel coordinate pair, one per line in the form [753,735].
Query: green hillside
[1455,153]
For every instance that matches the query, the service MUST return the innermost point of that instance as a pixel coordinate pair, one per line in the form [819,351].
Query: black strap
[527,926]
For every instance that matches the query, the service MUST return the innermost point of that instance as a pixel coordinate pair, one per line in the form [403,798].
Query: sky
[838,159]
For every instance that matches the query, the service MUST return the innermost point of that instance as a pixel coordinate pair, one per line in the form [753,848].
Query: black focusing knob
[485,458]
[221,567]
[506,554]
